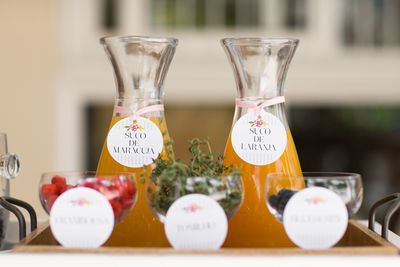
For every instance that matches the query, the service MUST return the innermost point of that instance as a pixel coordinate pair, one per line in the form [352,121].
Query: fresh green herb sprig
[205,174]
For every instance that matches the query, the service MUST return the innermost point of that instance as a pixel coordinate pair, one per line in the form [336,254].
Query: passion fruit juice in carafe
[260,141]
[140,227]
[138,131]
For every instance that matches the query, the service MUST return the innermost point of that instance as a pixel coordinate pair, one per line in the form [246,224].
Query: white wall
[28,67]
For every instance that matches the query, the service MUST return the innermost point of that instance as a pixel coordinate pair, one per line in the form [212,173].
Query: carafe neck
[259,65]
[140,65]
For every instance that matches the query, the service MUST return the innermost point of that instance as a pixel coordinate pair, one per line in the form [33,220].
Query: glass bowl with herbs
[204,174]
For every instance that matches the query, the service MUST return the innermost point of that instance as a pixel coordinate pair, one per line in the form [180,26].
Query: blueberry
[273,201]
[280,200]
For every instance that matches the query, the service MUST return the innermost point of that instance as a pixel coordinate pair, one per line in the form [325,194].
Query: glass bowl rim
[325,175]
[255,41]
[238,177]
[138,39]
[75,173]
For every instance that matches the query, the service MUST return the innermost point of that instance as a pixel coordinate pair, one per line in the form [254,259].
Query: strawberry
[126,201]
[65,188]
[99,179]
[130,188]
[60,187]
[116,206]
[50,201]
[117,180]
[124,186]
[108,192]
[47,190]
[58,180]
[87,183]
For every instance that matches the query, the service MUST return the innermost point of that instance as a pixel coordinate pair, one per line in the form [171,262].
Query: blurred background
[342,88]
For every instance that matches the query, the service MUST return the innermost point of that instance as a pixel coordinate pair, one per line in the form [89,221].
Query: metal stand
[9,202]
[395,206]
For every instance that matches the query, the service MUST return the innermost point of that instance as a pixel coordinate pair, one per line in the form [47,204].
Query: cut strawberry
[123,185]
[100,179]
[109,192]
[117,180]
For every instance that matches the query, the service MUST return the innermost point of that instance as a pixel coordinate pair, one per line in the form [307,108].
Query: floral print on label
[134,126]
[192,208]
[80,202]
[258,123]
[315,200]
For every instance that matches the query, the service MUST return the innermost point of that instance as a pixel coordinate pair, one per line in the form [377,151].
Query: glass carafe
[138,131]
[260,141]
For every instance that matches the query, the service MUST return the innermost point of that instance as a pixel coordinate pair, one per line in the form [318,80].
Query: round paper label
[315,218]
[259,140]
[196,221]
[81,218]
[134,143]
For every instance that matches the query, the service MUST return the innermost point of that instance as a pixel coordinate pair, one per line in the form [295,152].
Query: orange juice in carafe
[260,141]
[138,131]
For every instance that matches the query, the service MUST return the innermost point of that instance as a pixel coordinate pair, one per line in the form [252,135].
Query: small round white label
[134,143]
[81,218]
[259,140]
[196,221]
[315,218]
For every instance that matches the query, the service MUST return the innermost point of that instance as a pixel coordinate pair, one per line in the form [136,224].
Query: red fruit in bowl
[99,179]
[116,206]
[87,183]
[50,201]
[59,187]
[119,185]
[130,188]
[65,188]
[109,193]
[47,190]
[117,180]
[126,201]
[124,185]
[58,180]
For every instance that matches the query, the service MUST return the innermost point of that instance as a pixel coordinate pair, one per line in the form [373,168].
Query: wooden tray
[358,240]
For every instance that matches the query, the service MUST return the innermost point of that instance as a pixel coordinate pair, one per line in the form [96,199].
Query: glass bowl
[279,188]
[118,188]
[226,190]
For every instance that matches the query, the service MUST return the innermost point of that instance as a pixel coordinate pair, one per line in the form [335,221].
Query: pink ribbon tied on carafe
[135,114]
[259,105]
